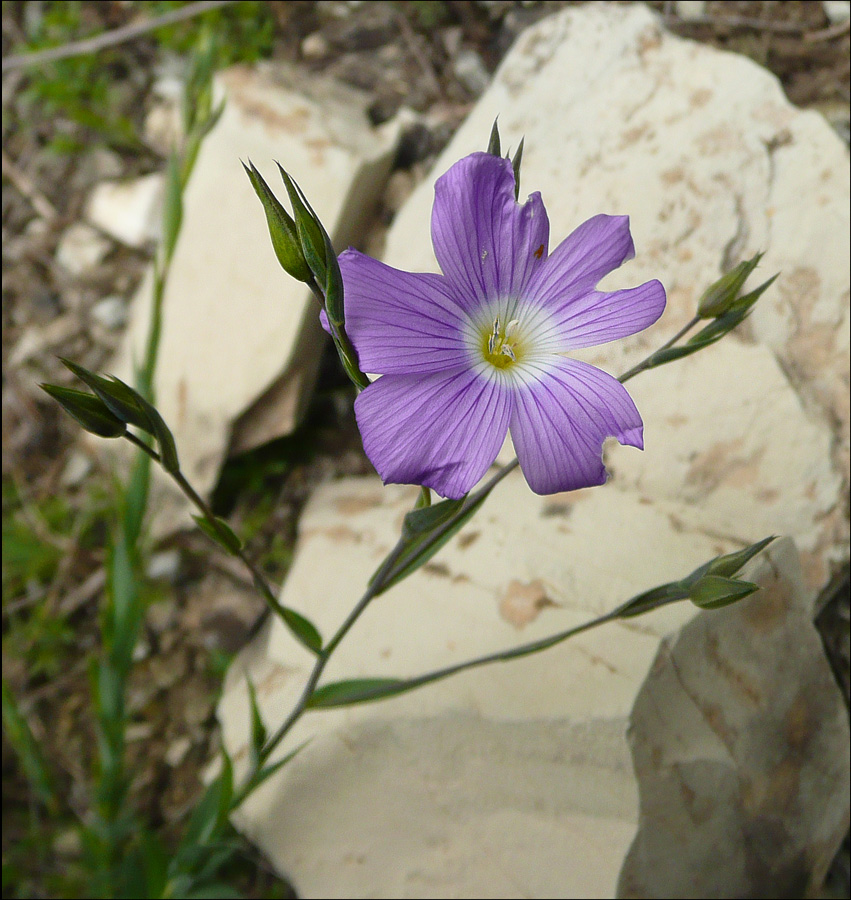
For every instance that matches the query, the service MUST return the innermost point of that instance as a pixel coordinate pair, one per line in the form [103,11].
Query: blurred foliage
[92,99]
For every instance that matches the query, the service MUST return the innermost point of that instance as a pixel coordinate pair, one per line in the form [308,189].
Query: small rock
[105,164]
[76,469]
[164,565]
[471,71]
[67,843]
[129,211]
[837,10]
[690,10]
[177,751]
[163,127]
[161,616]
[314,46]
[81,248]
[111,312]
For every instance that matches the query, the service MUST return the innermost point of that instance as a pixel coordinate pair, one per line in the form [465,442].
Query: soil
[432,57]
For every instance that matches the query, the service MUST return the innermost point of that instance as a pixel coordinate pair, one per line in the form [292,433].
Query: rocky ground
[69,126]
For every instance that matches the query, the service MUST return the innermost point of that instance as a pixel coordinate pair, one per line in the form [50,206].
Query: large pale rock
[636,756]
[236,329]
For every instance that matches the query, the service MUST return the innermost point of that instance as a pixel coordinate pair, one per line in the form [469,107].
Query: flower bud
[282,229]
[720,296]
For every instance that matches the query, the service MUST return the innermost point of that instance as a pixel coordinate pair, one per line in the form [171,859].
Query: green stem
[646,363]
[394,563]
[192,495]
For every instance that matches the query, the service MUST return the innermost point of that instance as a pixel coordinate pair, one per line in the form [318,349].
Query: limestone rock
[632,758]
[236,329]
[128,211]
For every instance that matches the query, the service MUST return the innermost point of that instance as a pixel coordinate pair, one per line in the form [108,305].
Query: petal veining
[487,244]
[585,256]
[442,430]
[400,322]
[562,413]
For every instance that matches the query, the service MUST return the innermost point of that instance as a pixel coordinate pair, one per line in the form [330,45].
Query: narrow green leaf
[258,729]
[282,228]
[424,540]
[220,532]
[308,228]
[23,742]
[172,205]
[303,629]
[87,410]
[494,147]
[515,164]
[715,591]
[268,771]
[356,690]
[125,606]
[211,813]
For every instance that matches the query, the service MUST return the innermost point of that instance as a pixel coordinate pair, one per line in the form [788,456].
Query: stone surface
[236,329]
[128,211]
[633,758]
[81,248]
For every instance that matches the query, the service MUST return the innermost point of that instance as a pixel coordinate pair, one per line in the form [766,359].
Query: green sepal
[87,410]
[131,407]
[719,297]
[715,591]
[355,690]
[282,229]
[706,583]
[494,145]
[515,164]
[715,330]
[310,232]
[220,532]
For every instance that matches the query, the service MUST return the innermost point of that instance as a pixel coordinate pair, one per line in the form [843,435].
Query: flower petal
[592,250]
[399,322]
[561,415]
[599,317]
[488,246]
[442,430]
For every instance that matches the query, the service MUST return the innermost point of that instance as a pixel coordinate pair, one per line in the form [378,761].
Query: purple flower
[467,355]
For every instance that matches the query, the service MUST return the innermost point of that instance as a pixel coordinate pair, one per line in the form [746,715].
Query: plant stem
[387,572]
[259,579]
[645,363]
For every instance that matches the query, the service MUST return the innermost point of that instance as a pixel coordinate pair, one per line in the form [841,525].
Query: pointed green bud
[515,164]
[311,234]
[131,407]
[494,147]
[89,411]
[720,296]
[282,228]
